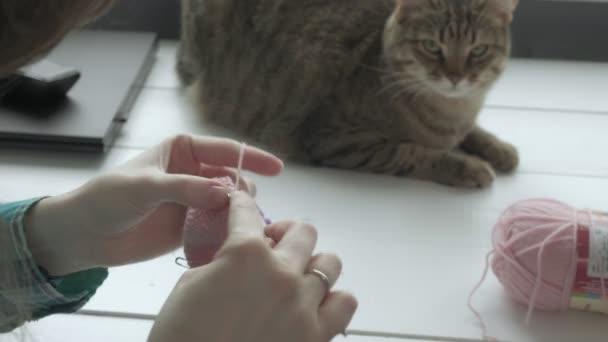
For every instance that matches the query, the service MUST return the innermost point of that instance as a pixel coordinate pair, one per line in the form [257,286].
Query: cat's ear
[503,8]
[410,3]
[407,7]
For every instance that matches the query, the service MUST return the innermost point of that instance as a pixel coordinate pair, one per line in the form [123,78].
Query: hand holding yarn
[206,230]
[137,211]
[252,292]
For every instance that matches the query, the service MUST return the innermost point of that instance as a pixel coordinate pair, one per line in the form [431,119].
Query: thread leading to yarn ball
[550,256]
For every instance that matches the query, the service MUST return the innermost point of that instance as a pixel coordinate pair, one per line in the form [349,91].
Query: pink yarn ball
[535,259]
[548,256]
[205,231]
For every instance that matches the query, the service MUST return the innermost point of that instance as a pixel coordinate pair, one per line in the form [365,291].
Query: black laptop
[101,74]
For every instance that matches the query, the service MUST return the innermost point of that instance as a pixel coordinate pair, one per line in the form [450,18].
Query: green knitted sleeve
[45,295]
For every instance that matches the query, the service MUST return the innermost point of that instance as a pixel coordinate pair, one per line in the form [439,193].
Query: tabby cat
[382,86]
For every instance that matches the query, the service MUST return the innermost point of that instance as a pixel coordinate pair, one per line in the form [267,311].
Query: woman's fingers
[336,313]
[322,274]
[226,152]
[246,185]
[295,243]
[277,230]
[203,191]
[244,220]
[190,191]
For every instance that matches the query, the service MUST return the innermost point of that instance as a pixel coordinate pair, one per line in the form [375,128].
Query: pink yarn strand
[484,328]
[539,267]
[545,218]
[537,246]
[514,263]
[240,166]
[526,233]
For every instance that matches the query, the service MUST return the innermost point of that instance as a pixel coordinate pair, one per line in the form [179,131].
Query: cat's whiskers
[386,74]
[388,81]
[386,71]
[413,90]
[420,93]
[400,82]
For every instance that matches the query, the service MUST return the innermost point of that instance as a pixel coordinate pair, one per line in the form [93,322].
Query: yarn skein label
[598,251]
[590,289]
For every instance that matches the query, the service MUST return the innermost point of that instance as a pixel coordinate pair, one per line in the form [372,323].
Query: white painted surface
[558,143]
[555,85]
[76,328]
[163,75]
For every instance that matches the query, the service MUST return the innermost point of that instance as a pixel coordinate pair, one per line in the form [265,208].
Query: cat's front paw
[503,157]
[476,174]
[468,172]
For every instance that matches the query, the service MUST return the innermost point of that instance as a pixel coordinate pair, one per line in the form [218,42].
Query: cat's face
[455,48]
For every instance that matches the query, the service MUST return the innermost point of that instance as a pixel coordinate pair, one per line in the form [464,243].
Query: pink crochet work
[205,232]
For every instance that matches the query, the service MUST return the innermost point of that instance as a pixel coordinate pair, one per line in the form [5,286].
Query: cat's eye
[480,50]
[431,47]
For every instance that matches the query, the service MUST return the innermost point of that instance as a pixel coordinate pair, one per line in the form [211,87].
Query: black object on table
[78,98]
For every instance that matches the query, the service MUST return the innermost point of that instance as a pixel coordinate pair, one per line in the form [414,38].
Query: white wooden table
[412,250]
[78,328]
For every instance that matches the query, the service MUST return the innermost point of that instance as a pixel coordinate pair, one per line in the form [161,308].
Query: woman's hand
[252,292]
[136,212]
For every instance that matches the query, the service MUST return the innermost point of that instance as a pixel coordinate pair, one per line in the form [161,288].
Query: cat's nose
[455,78]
